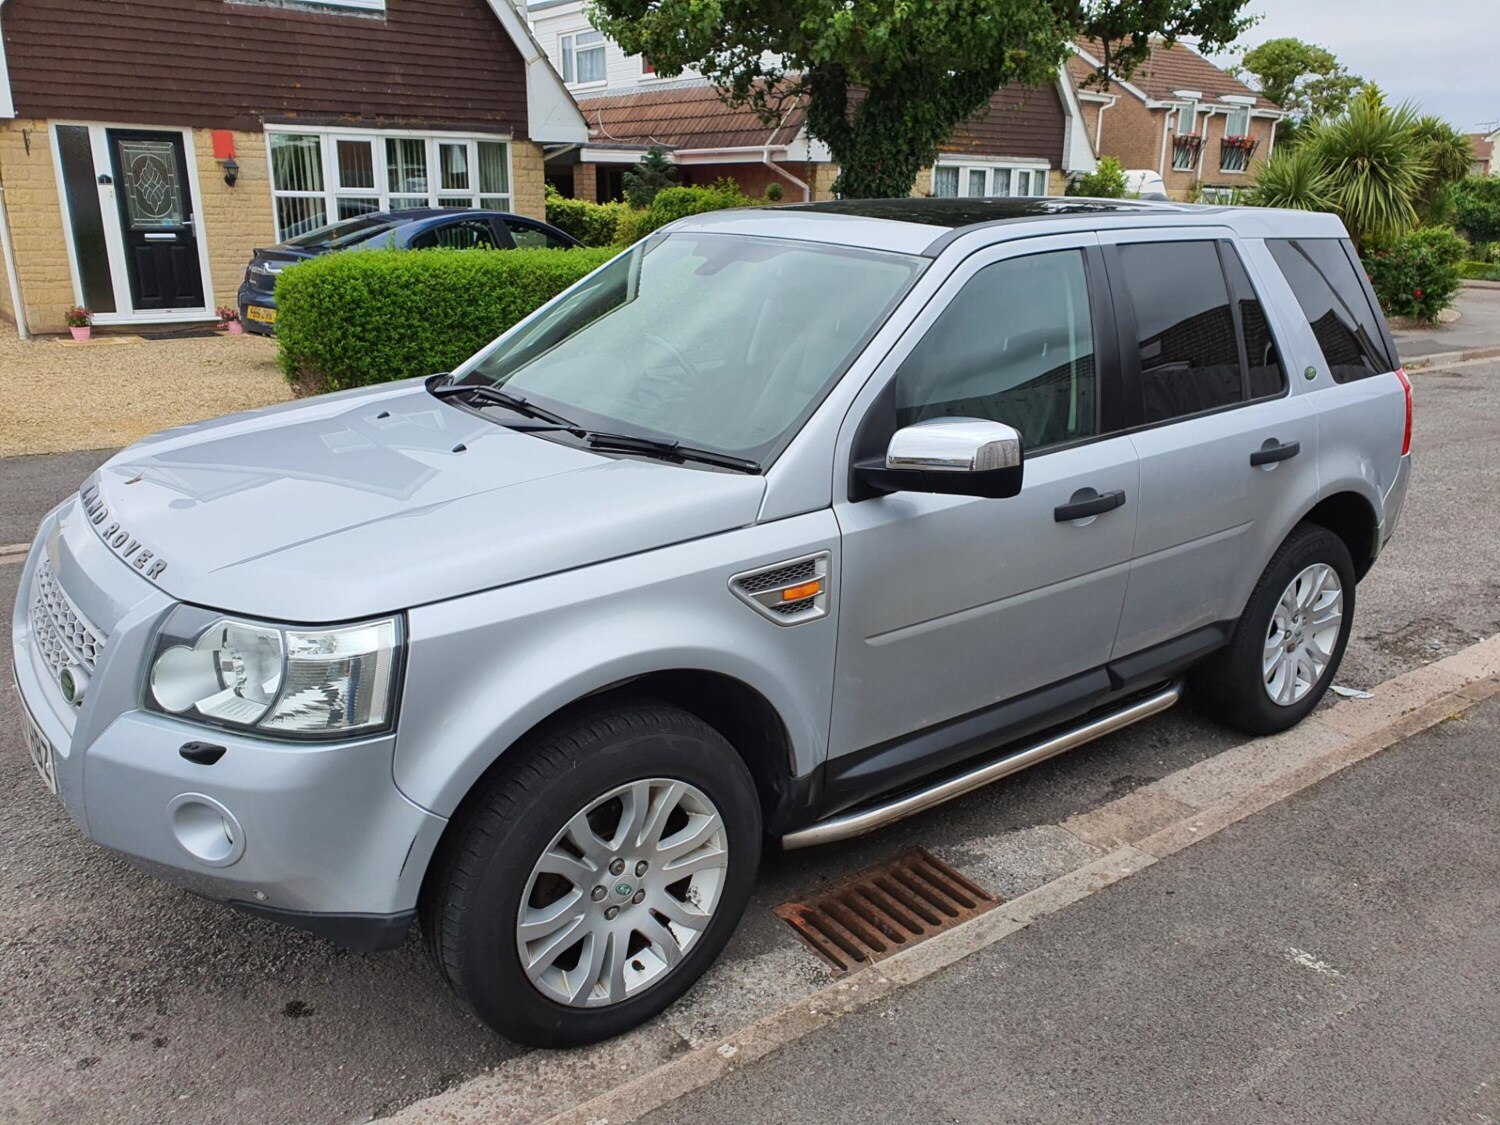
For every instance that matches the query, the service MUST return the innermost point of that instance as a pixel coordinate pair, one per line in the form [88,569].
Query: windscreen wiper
[668,450]
[494,396]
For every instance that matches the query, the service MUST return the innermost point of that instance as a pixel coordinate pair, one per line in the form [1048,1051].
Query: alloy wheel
[1303,634]
[622,893]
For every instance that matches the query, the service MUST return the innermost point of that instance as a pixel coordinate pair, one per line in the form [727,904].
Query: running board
[865,820]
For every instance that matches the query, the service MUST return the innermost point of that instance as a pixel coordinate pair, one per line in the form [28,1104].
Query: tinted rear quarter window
[1267,375]
[1334,300]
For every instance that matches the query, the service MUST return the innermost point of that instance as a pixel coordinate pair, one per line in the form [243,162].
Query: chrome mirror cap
[955,445]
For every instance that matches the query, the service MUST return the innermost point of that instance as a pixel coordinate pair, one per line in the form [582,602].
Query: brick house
[147,148]
[1203,130]
[1484,163]
[1026,143]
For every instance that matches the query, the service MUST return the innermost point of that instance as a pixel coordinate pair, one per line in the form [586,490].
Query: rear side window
[1267,375]
[1190,356]
[466,234]
[1332,296]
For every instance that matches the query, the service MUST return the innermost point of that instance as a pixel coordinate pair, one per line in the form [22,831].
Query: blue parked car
[416,229]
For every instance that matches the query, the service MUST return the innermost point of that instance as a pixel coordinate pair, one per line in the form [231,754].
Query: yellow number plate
[265,316]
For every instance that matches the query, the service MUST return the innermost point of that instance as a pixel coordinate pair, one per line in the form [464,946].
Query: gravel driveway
[57,396]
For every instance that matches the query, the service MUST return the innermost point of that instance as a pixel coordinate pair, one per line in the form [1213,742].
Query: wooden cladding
[1020,121]
[234,64]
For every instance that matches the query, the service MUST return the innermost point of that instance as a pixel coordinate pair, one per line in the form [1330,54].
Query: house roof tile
[1178,67]
[685,117]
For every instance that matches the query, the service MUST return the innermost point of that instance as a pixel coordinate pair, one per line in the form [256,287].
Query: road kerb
[1282,767]
[1445,359]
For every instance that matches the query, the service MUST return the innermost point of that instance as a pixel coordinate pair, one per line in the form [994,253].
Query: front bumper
[314,834]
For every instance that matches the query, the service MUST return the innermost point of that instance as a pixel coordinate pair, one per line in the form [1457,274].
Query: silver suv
[784,524]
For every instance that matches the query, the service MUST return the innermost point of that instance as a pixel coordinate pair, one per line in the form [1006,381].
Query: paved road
[1333,959]
[1478,326]
[124,1000]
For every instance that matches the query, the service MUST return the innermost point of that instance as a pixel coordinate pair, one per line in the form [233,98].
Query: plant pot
[81,333]
[233,327]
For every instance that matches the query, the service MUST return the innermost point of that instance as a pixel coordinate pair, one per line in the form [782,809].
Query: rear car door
[534,236]
[952,605]
[461,233]
[1227,447]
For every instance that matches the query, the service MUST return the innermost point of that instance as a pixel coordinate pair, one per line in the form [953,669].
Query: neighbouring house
[1484,153]
[1027,142]
[147,148]
[1202,129]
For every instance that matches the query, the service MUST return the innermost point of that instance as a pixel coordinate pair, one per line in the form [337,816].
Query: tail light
[1405,386]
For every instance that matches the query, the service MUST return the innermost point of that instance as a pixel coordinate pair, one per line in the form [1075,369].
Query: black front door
[156,218]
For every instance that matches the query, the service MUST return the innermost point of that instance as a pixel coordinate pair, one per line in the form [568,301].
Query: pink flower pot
[233,327]
[80,333]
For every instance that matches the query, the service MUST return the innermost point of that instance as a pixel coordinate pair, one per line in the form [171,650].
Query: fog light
[206,830]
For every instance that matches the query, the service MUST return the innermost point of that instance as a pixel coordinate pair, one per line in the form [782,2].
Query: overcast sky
[1441,54]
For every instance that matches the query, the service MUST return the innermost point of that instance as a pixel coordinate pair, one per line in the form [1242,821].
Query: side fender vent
[787,593]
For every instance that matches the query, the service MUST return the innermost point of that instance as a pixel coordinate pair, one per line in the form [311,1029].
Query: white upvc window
[321,176]
[952,179]
[1187,119]
[1237,124]
[583,58]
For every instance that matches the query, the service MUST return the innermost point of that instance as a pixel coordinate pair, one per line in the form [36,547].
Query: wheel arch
[1350,516]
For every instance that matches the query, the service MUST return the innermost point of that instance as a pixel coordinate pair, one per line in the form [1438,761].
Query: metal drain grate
[885,909]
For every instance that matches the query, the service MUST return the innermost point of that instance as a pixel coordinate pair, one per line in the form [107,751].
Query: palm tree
[1450,155]
[1295,178]
[1376,167]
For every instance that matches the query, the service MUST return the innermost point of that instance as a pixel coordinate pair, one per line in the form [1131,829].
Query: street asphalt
[1332,959]
[122,999]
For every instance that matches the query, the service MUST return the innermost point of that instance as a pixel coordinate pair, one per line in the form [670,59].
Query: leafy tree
[887,83]
[1376,167]
[1302,77]
[1477,208]
[653,173]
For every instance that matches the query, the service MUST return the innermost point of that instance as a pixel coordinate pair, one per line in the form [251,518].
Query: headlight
[283,679]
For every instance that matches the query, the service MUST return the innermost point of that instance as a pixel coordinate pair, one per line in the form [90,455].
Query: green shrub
[1479,271]
[593,224]
[679,202]
[371,316]
[774,192]
[1476,208]
[1107,181]
[650,176]
[1417,275]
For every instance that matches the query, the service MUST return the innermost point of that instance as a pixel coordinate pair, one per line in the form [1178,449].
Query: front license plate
[41,750]
[265,316]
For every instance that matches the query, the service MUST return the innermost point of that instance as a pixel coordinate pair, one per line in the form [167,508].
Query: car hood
[379,499]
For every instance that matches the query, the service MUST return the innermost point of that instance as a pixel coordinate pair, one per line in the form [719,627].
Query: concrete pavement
[1478,327]
[1332,959]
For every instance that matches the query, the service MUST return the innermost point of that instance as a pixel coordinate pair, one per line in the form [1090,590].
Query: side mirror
[952,456]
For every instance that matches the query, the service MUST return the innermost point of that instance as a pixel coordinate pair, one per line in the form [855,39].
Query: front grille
[62,635]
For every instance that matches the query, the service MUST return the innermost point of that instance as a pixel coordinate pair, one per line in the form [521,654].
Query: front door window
[153,193]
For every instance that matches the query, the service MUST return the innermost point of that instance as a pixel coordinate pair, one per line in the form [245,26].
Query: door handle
[1082,509]
[1269,454]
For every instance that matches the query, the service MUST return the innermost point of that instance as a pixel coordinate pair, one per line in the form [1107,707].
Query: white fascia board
[1078,153]
[1238,99]
[616,155]
[552,116]
[7,103]
[1098,64]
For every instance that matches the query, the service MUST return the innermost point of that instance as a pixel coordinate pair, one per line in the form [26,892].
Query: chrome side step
[861,821]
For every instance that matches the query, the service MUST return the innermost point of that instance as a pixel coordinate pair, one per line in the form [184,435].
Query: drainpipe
[1166,129]
[8,252]
[765,155]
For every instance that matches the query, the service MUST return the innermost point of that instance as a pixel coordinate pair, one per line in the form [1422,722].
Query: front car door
[1228,448]
[156,219]
[952,605]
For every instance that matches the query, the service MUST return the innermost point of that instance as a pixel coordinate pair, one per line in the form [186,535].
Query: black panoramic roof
[956,213]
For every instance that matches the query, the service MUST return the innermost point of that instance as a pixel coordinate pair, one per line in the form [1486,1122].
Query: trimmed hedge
[1417,276]
[1479,271]
[373,316]
[593,224]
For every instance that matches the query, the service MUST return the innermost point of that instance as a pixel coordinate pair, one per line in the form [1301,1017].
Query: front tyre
[596,876]
[1288,643]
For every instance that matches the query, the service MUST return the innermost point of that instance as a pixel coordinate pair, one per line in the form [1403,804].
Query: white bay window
[322,176]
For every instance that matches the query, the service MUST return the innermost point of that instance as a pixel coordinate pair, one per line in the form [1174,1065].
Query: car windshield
[338,235]
[722,342]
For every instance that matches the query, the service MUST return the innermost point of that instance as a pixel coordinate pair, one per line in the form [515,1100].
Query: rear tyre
[596,875]
[1287,645]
